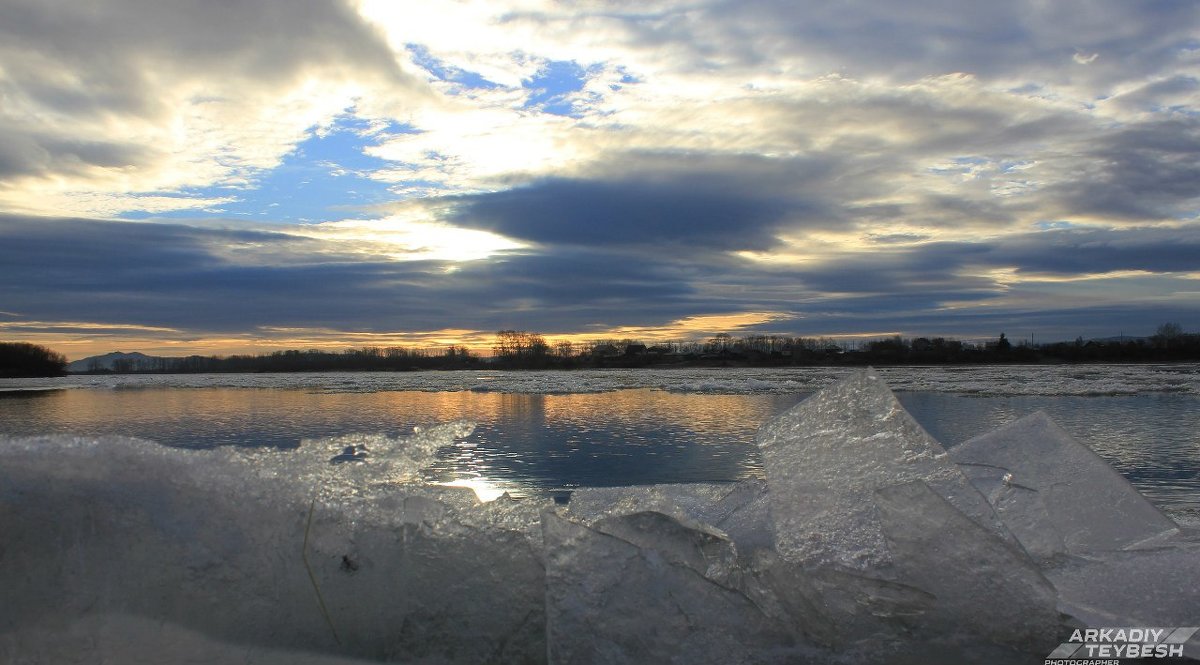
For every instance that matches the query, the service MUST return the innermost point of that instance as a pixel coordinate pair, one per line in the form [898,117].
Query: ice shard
[256,550]
[129,639]
[986,589]
[646,588]
[740,510]
[1158,586]
[852,615]
[1055,494]
[825,458]
[952,592]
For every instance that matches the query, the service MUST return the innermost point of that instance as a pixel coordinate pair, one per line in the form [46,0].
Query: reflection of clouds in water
[707,414]
[551,443]
[710,414]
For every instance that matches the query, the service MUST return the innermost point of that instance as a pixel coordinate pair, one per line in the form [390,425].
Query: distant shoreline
[521,350]
[486,366]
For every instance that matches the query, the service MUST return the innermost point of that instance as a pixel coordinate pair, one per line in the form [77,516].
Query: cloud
[187,96]
[179,282]
[234,281]
[1099,251]
[1015,43]
[593,166]
[1141,172]
[123,97]
[689,203]
[1172,93]
[987,268]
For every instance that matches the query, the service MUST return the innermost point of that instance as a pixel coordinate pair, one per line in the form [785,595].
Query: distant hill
[115,361]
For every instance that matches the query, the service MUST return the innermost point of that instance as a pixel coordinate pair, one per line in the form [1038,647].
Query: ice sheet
[925,606]
[1055,494]
[985,589]
[740,510]
[125,639]
[222,543]
[650,598]
[1121,379]
[826,457]
[1159,586]
[1135,588]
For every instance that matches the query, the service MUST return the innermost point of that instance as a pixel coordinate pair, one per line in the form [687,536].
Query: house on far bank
[605,350]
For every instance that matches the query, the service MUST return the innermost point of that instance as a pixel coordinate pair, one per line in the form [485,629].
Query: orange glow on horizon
[83,339]
[86,339]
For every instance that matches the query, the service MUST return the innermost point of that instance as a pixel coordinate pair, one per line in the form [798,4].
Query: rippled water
[547,432]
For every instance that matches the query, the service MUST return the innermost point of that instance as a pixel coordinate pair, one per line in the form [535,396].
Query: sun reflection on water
[485,488]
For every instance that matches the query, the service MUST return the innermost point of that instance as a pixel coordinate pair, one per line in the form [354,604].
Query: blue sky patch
[447,72]
[551,88]
[321,180]
[1053,225]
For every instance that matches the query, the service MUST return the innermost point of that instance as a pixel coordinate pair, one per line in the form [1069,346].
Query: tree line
[22,359]
[366,359]
[519,349]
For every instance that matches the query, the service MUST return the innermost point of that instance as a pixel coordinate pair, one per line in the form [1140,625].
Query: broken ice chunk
[856,615]
[350,454]
[1059,496]
[615,601]
[1021,508]
[129,639]
[1133,588]
[1146,587]
[985,588]
[740,510]
[825,458]
[233,547]
[697,546]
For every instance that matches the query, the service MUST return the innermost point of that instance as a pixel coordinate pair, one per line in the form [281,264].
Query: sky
[229,177]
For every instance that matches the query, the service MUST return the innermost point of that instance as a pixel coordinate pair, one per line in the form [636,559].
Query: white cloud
[415,236]
[481,144]
[129,117]
[133,100]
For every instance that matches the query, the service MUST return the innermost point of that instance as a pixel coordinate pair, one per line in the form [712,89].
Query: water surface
[642,429]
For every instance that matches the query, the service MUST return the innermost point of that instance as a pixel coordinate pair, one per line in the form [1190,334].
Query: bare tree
[1167,334]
